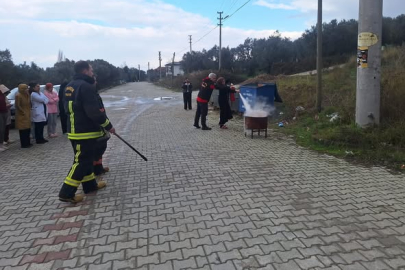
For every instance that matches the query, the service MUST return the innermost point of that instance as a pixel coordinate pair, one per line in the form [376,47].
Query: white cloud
[116,31]
[264,3]
[131,31]
[332,9]
[241,35]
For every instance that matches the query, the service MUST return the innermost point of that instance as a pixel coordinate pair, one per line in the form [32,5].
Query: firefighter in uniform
[85,125]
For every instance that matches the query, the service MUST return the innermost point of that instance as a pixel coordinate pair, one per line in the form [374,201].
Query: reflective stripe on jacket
[85,120]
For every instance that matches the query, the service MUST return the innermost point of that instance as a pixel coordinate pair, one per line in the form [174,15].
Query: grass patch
[383,145]
[379,145]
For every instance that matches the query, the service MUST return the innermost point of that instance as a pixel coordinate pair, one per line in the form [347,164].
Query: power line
[233,4]
[186,48]
[238,9]
[223,1]
[209,32]
[206,34]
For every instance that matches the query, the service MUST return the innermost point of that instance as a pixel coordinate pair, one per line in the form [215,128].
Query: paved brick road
[204,200]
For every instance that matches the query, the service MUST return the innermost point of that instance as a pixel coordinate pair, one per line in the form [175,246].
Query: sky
[132,32]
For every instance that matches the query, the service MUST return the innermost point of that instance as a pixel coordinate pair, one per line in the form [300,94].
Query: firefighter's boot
[101,184]
[77,198]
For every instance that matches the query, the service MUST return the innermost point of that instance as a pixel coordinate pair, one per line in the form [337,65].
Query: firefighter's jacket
[85,120]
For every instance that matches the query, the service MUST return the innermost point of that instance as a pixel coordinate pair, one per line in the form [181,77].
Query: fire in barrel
[257,103]
[256,121]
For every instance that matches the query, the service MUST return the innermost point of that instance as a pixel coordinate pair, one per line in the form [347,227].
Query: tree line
[277,55]
[107,74]
[273,55]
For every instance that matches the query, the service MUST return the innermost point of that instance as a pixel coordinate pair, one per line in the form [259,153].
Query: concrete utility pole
[319,60]
[148,73]
[190,44]
[160,66]
[139,76]
[369,63]
[174,54]
[220,37]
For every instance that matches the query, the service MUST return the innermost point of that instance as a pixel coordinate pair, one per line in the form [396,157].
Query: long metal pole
[319,59]
[130,146]
[369,63]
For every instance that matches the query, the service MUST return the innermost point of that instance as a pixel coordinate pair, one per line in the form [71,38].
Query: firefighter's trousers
[81,171]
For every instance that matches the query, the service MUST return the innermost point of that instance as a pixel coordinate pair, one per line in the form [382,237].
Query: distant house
[177,69]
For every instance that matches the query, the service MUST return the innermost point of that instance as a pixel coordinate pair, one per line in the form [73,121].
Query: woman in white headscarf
[39,113]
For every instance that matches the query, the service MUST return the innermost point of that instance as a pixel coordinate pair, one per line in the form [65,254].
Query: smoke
[260,108]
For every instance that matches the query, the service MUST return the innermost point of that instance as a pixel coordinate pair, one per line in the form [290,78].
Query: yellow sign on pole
[367,39]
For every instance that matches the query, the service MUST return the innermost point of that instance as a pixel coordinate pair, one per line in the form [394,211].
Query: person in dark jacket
[62,113]
[204,95]
[187,91]
[223,100]
[85,125]
[231,95]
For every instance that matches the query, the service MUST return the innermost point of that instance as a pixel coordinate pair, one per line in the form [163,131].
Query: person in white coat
[39,113]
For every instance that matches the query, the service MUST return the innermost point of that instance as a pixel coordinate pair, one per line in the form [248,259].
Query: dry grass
[393,85]
[384,144]
[339,88]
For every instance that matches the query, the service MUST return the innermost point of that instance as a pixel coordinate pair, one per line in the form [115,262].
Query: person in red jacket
[204,95]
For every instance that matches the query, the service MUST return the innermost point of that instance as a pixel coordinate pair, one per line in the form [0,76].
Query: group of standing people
[226,90]
[83,118]
[33,111]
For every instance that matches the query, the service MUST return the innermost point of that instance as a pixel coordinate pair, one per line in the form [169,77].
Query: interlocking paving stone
[204,200]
